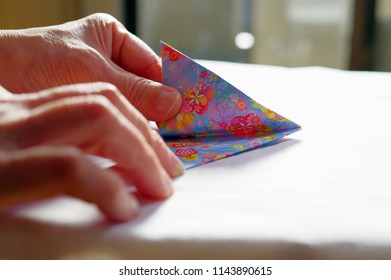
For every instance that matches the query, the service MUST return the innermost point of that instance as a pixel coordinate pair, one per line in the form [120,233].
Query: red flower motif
[255,143]
[177,145]
[241,105]
[193,143]
[167,48]
[253,118]
[185,152]
[203,74]
[222,125]
[262,128]
[173,55]
[243,125]
[196,99]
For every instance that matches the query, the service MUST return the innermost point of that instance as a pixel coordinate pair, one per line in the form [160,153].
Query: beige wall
[382,54]
[287,32]
[302,32]
[31,13]
[278,41]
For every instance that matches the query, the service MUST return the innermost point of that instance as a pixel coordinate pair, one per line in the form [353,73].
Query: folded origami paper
[216,120]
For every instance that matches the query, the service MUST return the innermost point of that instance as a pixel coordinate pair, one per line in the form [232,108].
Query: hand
[96,48]
[44,136]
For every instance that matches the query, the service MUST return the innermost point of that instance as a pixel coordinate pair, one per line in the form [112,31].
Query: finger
[135,69]
[170,162]
[95,125]
[123,174]
[128,51]
[41,173]
[155,101]
[4,93]
[135,56]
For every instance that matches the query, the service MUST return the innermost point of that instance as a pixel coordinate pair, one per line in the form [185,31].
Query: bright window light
[244,40]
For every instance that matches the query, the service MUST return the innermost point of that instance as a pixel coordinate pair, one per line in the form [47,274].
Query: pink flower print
[233,97]
[255,143]
[260,128]
[179,117]
[223,155]
[207,157]
[211,124]
[225,109]
[241,126]
[194,143]
[203,74]
[230,128]
[196,99]
[177,145]
[211,156]
[253,118]
[187,154]
[173,55]
[279,117]
[203,133]
[222,125]
[241,105]
[206,146]
[187,108]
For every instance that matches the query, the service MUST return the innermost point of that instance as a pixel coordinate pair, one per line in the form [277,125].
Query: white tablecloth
[323,192]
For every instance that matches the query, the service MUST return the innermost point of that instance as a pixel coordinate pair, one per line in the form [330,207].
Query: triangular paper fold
[216,119]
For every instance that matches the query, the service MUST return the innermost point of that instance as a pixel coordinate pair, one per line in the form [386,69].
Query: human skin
[84,87]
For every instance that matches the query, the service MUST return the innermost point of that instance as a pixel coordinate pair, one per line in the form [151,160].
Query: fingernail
[126,206]
[168,186]
[177,166]
[167,101]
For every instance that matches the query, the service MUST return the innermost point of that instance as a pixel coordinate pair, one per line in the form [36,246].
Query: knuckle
[98,17]
[4,93]
[142,125]
[89,89]
[109,91]
[97,106]
[102,19]
[105,86]
[89,110]
[156,141]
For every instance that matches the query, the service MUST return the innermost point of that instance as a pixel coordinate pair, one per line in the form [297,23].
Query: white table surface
[321,193]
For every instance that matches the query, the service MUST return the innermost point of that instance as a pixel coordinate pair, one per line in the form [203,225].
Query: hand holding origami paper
[216,119]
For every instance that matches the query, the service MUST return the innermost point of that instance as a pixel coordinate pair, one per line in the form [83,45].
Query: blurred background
[343,34]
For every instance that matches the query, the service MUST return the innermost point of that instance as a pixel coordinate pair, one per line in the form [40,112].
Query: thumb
[155,101]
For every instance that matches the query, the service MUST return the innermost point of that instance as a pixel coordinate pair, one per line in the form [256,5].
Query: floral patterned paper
[216,119]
